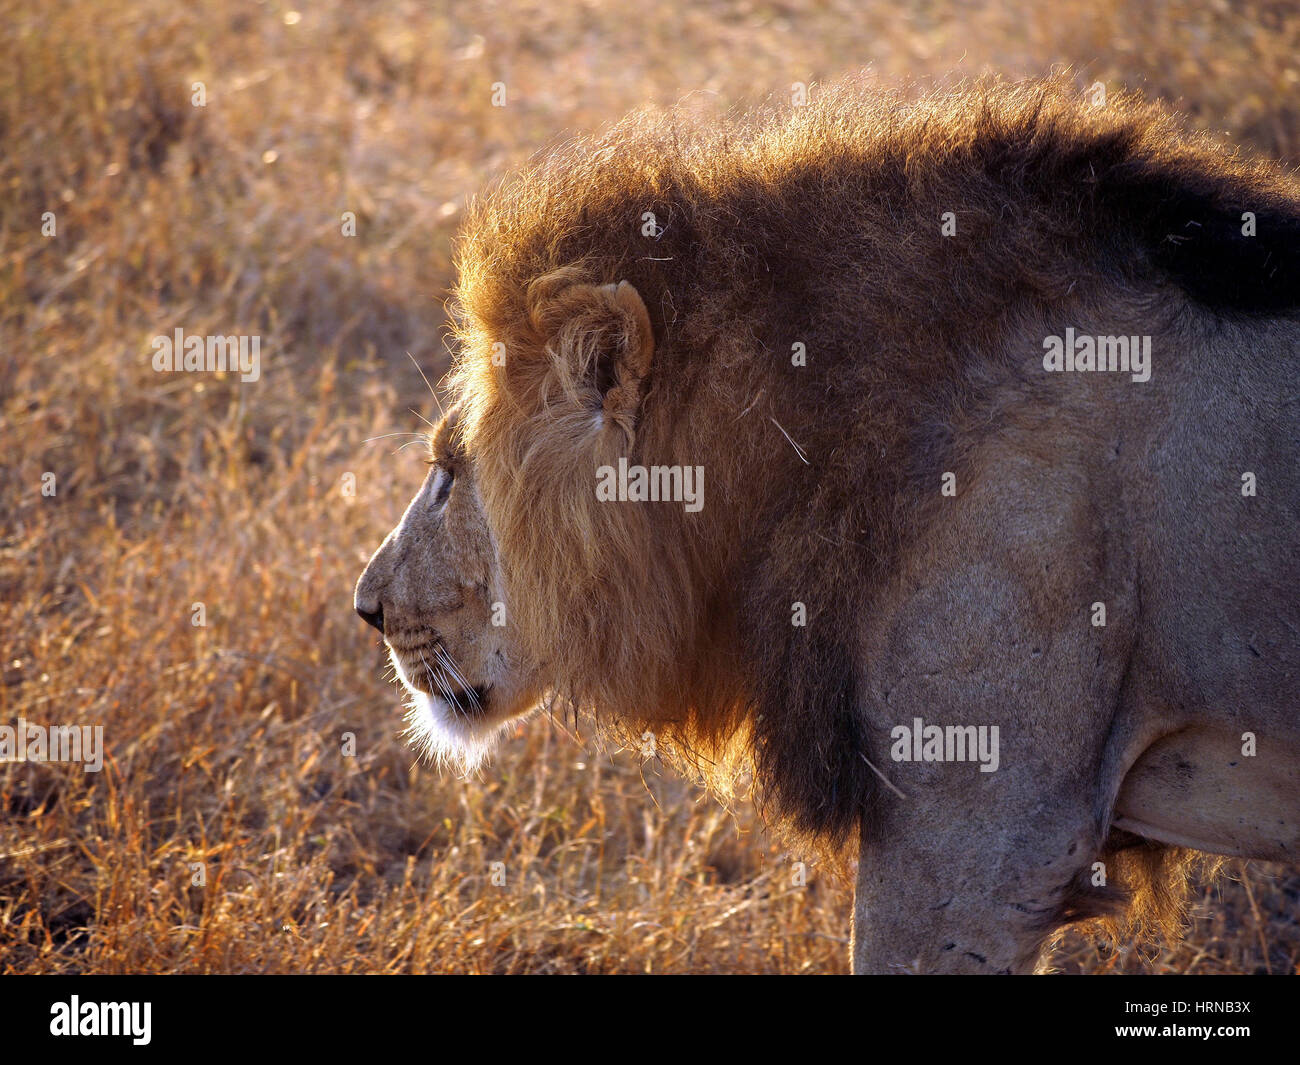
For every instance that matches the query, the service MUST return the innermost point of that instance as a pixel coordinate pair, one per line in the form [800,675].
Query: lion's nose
[372,586]
[372,617]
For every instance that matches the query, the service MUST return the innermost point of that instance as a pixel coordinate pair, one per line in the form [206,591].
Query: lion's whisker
[440,653]
[439,683]
[431,392]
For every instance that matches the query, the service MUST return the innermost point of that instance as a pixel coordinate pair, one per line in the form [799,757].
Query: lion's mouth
[424,677]
[468,701]
[465,700]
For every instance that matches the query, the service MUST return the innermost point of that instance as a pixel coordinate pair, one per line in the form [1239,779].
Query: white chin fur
[440,732]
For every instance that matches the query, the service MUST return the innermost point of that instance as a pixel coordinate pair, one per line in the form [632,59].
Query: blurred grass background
[225,741]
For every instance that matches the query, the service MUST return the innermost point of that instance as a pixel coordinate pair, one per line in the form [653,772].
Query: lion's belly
[1204,788]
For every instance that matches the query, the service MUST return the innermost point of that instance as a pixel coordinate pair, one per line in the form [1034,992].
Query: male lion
[993,399]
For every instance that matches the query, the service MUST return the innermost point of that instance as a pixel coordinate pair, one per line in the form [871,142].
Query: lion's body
[1116,741]
[906,516]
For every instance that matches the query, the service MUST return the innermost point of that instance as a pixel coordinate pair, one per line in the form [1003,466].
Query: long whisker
[439,683]
[442,656]
[422,417]
[430,387]
[385,436]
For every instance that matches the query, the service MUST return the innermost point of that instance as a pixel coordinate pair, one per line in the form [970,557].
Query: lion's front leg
[942,894]
[988,697]
[981,844]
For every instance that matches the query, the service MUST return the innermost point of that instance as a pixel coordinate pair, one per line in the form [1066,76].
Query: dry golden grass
[225,741]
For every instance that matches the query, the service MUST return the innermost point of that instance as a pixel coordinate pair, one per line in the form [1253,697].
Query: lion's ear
[641,338]
[600,340]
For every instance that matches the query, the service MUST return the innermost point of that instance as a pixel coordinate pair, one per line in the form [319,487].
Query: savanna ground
[225,741]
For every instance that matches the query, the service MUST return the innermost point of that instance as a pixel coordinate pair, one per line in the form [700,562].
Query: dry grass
[225,740]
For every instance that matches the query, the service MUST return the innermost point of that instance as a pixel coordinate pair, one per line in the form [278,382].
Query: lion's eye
[445,477]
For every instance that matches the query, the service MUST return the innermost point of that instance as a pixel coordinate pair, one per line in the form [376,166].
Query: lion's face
[433,589]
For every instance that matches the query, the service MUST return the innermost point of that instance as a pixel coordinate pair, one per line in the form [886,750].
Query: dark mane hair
[1041,183]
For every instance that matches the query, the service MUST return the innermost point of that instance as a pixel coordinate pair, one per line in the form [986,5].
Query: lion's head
[434,590]
[524,570]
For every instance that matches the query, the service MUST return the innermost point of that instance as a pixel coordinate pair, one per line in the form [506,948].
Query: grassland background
[225,740]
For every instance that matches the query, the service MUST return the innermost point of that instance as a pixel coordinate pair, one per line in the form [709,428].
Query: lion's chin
[445,733]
